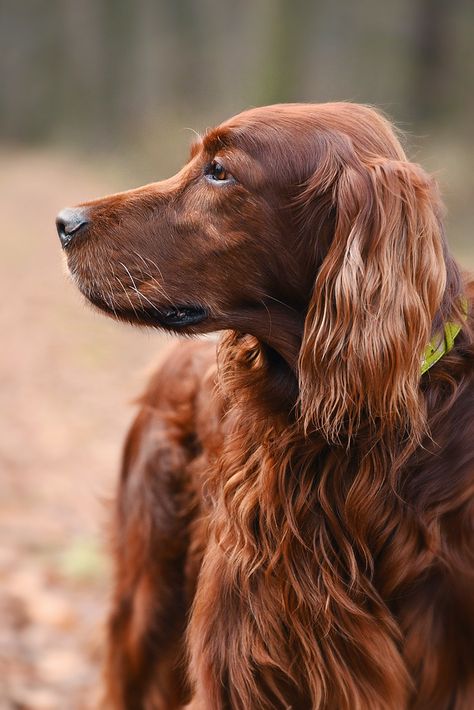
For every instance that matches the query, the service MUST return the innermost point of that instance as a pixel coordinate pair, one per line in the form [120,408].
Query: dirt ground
[67,376]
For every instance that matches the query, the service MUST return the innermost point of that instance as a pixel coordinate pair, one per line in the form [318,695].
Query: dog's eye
[216,171]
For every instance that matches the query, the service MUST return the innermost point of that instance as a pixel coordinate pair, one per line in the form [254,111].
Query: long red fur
[294,519]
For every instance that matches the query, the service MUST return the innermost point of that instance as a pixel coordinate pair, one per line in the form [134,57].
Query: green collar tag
[441,344]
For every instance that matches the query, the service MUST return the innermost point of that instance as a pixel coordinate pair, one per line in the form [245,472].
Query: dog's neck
[275,325]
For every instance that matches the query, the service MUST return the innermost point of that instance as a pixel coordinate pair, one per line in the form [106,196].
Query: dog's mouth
[175,316]
[178,316]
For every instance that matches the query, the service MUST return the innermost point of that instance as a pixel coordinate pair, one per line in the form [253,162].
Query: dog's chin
[176,317]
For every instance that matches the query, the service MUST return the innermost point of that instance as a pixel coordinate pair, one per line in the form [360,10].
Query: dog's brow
[195,148]
[216,139]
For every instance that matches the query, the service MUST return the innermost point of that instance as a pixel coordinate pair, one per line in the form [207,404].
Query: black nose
[70,222]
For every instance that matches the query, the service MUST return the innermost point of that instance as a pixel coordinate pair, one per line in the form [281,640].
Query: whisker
[159,286]
[272,298]
[127,295]
[136,289]
[111,291]
[198,135]
[269,316]
[131,279]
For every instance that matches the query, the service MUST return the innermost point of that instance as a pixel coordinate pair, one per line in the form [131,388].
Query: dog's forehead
[286,125]
[250,132]
[286,138]
[255,125]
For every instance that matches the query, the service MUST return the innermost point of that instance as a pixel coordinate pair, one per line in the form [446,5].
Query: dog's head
[304,225]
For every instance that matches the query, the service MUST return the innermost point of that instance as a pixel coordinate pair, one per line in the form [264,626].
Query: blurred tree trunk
[432,52]
[101,71]
[283,63]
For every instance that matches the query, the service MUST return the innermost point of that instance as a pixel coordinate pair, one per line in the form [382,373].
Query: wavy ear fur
[374,302]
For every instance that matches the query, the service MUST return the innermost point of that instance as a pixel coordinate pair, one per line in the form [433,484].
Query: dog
[293,523]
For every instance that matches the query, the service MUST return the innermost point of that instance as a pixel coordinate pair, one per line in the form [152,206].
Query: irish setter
[293,526]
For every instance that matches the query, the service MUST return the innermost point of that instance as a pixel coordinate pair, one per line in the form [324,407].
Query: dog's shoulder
[182,371]
[181,395]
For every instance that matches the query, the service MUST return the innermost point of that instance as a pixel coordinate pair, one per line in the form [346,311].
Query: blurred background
[103,95]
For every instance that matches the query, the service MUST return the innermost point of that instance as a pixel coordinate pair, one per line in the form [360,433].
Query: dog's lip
[178,316]
[173,316]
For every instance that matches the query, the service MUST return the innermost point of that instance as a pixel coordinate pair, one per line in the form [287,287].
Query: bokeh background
[102,95]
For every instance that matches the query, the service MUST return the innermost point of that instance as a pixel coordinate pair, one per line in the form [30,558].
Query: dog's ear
[376,294]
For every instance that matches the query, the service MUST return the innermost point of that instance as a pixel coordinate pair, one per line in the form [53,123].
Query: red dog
[294,525]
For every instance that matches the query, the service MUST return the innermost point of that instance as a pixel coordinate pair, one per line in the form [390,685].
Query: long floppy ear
[376,295]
